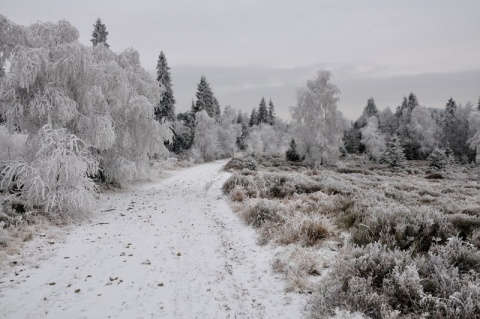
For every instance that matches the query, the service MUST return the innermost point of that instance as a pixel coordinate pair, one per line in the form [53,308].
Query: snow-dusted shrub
[263,210]
[380,282]
[354,281]
[438,159]
[464,224]
[297,264]
[241,163]
[398,226]
[243,181]
[306,229]
[58,179]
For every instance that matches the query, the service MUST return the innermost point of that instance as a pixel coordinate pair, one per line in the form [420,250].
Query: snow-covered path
[171,249]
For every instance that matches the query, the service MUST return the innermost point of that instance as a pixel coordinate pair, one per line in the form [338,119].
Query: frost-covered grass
[402,243]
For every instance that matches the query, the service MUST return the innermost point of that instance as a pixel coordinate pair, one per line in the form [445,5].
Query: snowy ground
[169,249]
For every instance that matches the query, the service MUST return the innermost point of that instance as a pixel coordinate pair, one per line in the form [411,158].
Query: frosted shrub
[306,229]
[403,227]
[57,180]
[261,211]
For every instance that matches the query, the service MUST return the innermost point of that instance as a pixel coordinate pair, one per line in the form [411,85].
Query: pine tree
[394,155]
[478,105]
[263,113]
[206,99]
[438,159]
[216,107]
[166,107]
[99,34]
[371,109]
[291,153]
[271,112]
[253,118]
[452,128]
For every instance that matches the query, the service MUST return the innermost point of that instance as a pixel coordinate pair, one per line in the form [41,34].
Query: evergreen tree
[99,34]
[271,112]
[438,159]
[404,115]
[253,118]
[206,99]
[291,153]
[263,112]
[478,104]
[216,107]
[394,155]
[453,128]
[242,139]
[166,107]
[371,109]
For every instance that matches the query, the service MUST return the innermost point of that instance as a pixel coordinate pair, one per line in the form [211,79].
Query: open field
[366,239]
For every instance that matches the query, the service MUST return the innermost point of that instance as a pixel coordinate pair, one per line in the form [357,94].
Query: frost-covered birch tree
[373,139]
[205,142]
[105,99]
[318,126]
[228,132]
[424,130]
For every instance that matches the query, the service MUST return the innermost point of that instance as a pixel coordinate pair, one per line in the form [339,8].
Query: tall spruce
[166,107]
[206,99]
[404,114]
[99,34]
[253,118]
[370,109]
[263,113]
[216,108]
[271,112]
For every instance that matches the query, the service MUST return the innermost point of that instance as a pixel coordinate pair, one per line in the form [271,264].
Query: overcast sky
[253,48]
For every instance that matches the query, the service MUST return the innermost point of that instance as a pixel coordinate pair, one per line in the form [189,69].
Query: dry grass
[416,234]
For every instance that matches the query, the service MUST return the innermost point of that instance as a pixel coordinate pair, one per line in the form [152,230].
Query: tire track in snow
[169,249]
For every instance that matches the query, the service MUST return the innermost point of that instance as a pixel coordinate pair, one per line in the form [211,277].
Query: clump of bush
[390,283]
[262,211]
[397,226]
[239,164]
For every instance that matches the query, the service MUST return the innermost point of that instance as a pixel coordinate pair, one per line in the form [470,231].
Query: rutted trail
[170,249]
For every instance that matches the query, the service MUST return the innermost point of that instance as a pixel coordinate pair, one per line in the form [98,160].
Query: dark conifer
[99,34]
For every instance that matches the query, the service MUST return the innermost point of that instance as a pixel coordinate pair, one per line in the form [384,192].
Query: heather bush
[381,282]
[261,211]
[240,164]
[400,227]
